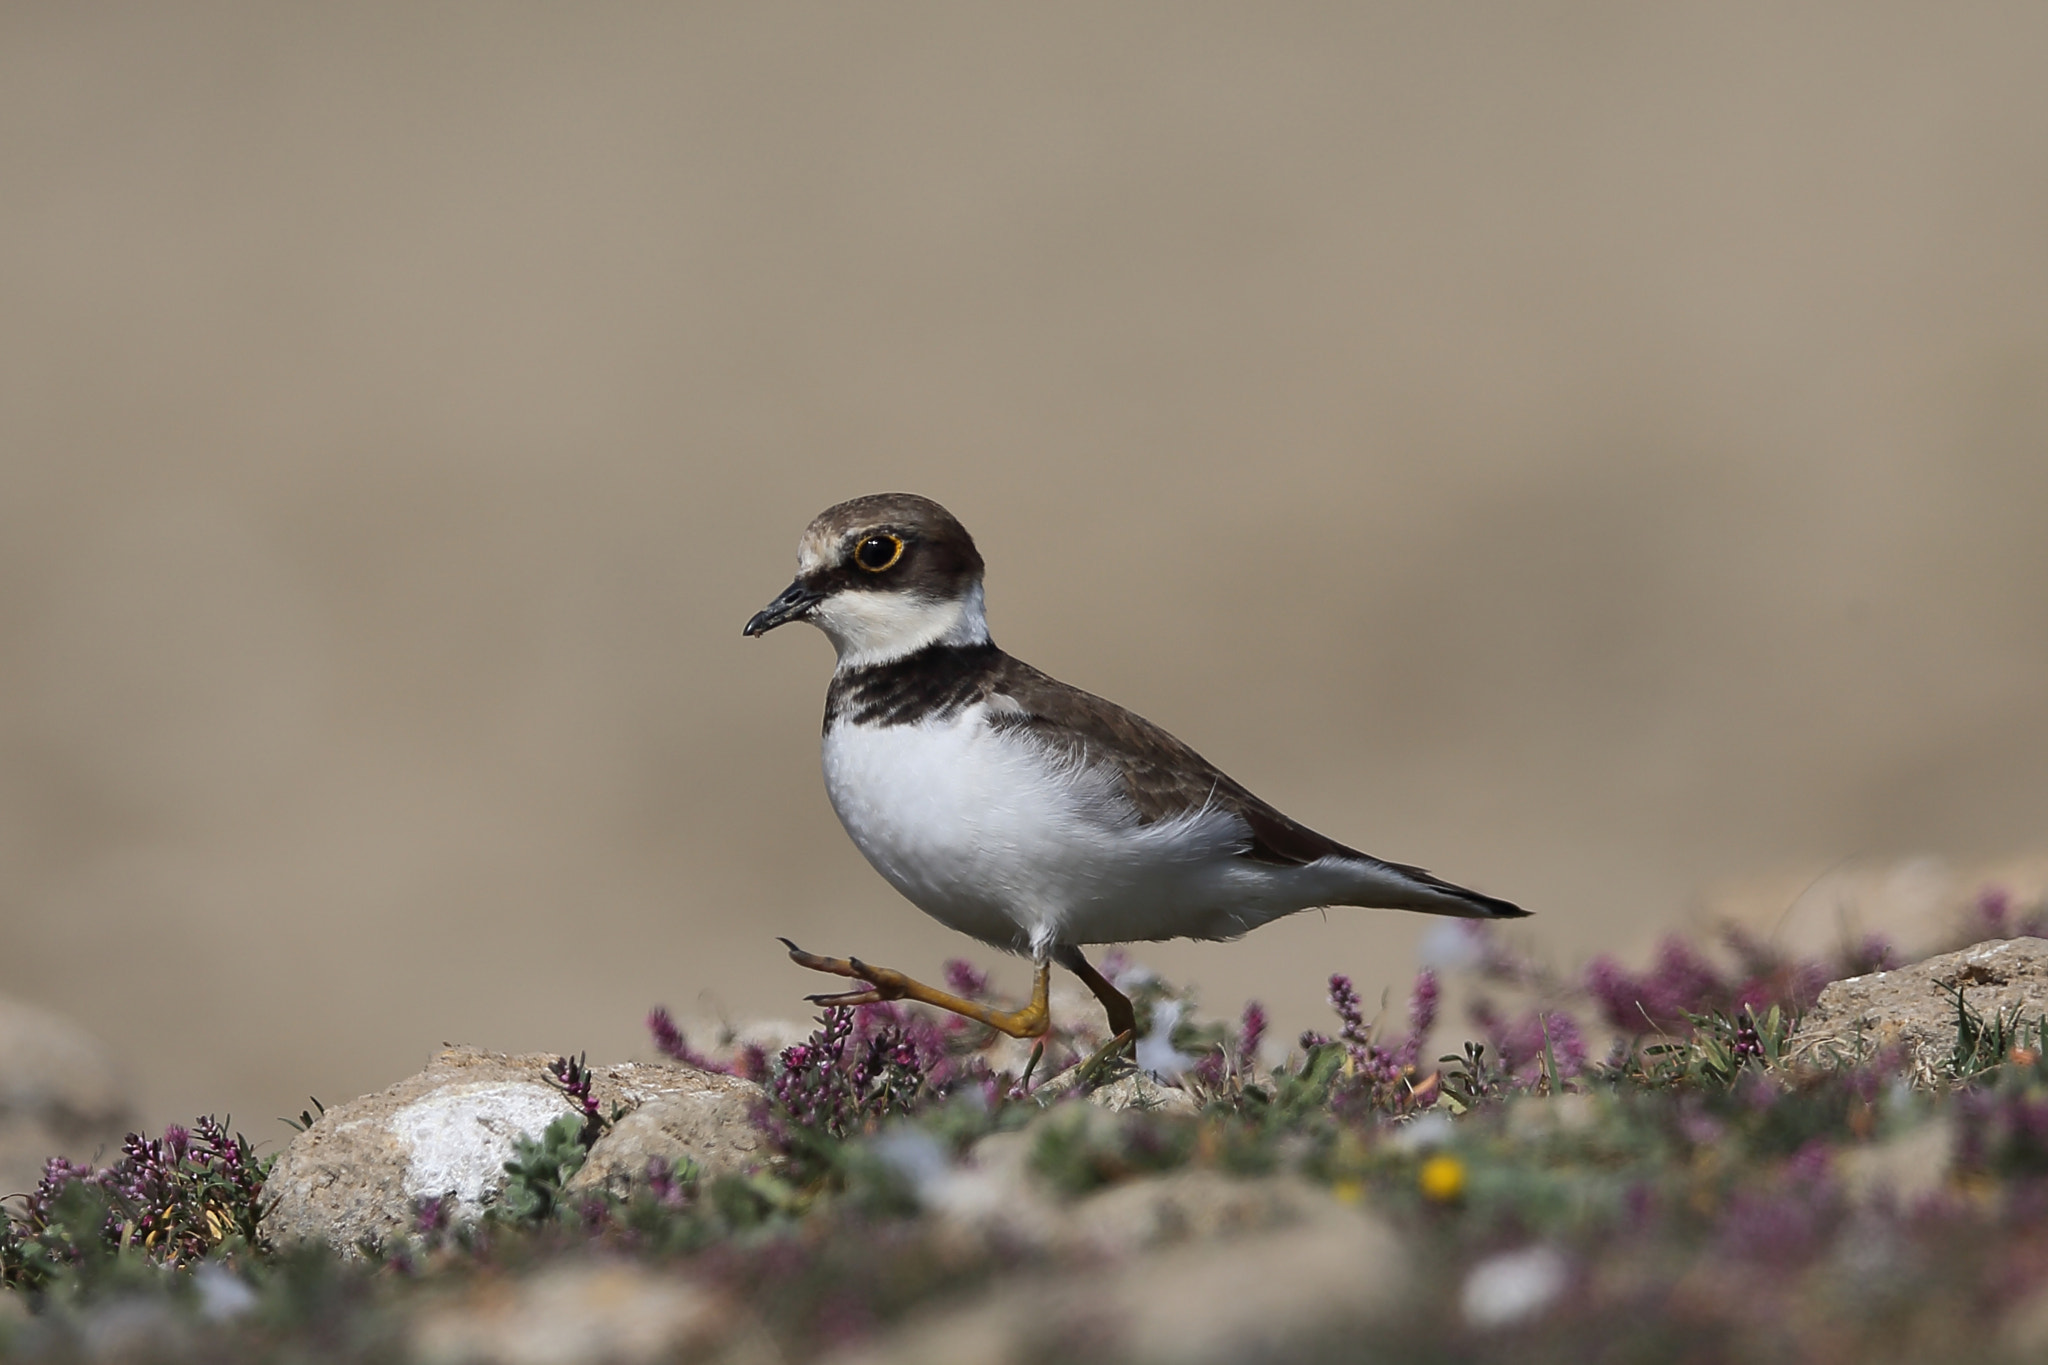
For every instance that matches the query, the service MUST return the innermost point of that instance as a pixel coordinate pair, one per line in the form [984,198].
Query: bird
[1020,810]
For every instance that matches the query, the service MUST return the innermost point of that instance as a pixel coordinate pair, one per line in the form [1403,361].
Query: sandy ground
[1594,451]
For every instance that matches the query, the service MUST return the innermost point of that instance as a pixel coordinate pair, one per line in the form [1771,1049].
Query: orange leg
[885,984]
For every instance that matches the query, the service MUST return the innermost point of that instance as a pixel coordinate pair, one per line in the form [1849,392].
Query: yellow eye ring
[878,552]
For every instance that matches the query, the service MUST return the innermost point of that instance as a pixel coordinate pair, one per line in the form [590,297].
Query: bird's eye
[877,553]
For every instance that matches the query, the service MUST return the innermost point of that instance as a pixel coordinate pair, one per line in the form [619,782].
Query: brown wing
[1162,777]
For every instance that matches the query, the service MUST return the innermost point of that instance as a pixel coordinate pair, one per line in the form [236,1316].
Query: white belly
[979,829]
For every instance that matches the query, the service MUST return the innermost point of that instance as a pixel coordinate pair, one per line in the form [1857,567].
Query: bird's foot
[1109,1061]
[884,983]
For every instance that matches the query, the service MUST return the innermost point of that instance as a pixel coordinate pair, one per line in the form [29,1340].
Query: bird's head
[883,576]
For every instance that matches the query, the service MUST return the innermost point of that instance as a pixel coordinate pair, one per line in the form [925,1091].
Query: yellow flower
[1443,1178]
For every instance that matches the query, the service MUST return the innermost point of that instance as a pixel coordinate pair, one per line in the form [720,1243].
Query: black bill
[794,604]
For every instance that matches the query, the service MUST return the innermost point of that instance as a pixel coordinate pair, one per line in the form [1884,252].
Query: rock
[2024,1332]
[1222,1289]
[1144,1091]
[357,1175]
[996,1198]
[1911,1009]
[612,1312]
[1920,904]
[1906,1168]
[706,1118]
[60,1095]
[13,1316]
[125,1328]
[1539,1117]
[1133,1090]
[1190,1205]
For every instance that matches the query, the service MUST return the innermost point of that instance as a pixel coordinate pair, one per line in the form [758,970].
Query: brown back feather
[1162,777]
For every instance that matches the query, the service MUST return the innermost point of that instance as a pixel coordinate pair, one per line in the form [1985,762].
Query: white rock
[357,1175]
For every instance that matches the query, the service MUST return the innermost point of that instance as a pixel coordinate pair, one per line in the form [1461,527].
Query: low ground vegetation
[1619,1165]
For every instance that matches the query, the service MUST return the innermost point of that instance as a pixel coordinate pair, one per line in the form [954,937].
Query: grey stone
[705,1118]
[604,1313]
[1191,1205]
[1907,1167]
[13,1316]
[60,1095]
[1187,1268]
[1910,1009]
[357,1175]
[1132,1090]
[1144,1091]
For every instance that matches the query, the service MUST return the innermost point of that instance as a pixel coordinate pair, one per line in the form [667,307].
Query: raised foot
[884,983]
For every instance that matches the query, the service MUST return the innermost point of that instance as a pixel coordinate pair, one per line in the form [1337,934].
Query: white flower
[222,1293]
[1156,1052]
[1423,1132]
[1513,1286]
[1449,946]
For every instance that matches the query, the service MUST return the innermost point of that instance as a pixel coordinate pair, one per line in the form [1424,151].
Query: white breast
[985,832]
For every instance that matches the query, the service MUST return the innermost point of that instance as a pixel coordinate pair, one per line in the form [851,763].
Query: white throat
[874,627]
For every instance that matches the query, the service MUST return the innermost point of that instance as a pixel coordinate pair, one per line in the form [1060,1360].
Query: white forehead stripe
[814,551]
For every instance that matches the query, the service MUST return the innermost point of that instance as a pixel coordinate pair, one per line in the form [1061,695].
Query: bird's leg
[1123,1020]
[885,984]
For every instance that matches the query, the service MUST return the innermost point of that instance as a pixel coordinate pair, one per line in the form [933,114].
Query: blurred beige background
[1595,451]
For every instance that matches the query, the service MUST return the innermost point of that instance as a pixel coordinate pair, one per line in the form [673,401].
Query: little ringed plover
[1019,810]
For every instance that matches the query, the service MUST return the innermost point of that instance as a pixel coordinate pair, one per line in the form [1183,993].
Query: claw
[1037,1051]
[847,998]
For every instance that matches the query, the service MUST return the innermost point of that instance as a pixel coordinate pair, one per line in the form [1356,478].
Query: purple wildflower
[1747,1042]
[1683,981]
[1785,1224]
[670,1042]
[577,1084]
[176,1197]
[962,979]
[1567,1047]
[853,1071]
[1993,907]
[1344,1000]
[1366,1059]
[1873,953]
[1680,983]
[2005,1134]
[431,1216]
[1423,1000]
[1251,1032]
[668,1189]
[1382,1075]
[1524,1043]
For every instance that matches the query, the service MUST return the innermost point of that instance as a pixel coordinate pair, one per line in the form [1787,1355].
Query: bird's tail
[1397,886]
